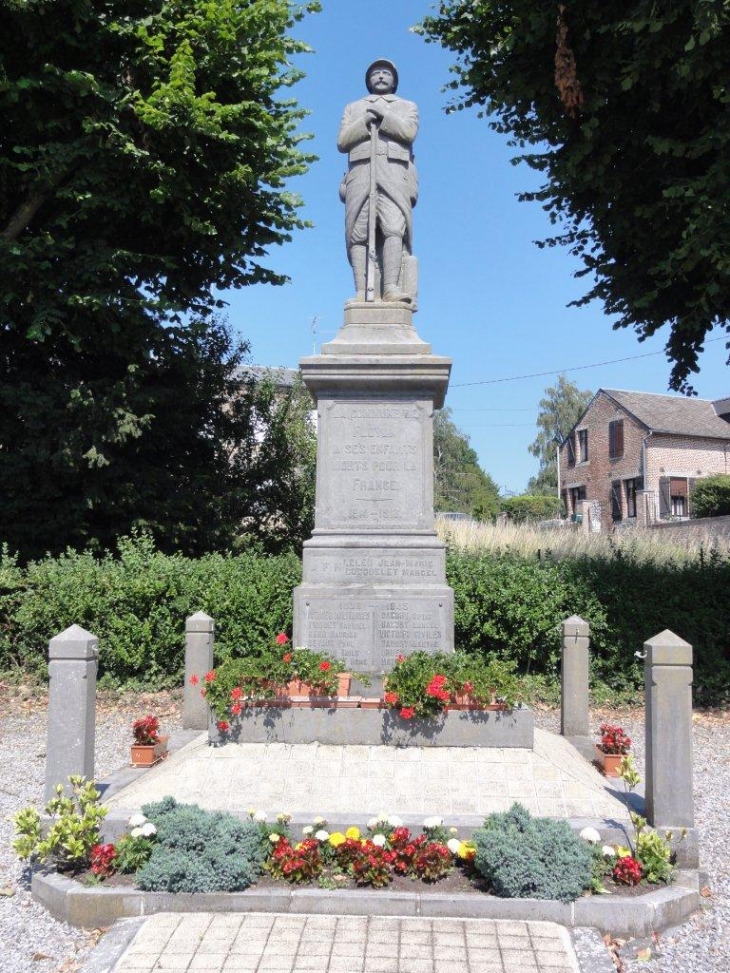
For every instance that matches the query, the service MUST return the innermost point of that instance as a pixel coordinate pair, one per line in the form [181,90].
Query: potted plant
[147,748]
[614,746]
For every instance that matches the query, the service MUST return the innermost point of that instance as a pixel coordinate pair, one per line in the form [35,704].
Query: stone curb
[111,946]
[92,907]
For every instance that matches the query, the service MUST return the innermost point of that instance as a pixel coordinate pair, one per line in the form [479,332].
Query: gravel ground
[32,942]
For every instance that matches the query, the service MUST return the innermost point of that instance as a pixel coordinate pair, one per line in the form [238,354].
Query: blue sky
[488,297]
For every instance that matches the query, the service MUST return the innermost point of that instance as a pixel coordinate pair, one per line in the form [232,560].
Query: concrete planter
[91,907]
[373,723]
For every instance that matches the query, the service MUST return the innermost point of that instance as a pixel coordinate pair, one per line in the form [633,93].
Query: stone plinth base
[375,727]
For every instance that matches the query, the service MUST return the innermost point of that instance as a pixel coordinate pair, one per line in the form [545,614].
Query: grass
[570,542]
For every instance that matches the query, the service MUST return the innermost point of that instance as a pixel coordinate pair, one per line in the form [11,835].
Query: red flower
[210,676]
[203,693]
[194,680]
[627,871]
[391,698]
[236,692]
[282,638]
[400,658]
[236,709]
[287,657]
[468,687]
[223,726]
[325,666]
[407,712]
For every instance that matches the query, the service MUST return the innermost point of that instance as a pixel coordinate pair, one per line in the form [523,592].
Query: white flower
[251,811]
[453,844]
[373,823]
[609,851]
[394,821]
[591,836]
[319,821]
[148,830]
[137,820]
[136,833]
[260,816]
[273,837]
[453,831]
[379,840]
[434,822]
[382,817]
[322,835]
[307,831]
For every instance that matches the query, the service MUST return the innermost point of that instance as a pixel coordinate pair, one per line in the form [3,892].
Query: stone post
[199,629]
[574,678]
[668,677]
[73,659]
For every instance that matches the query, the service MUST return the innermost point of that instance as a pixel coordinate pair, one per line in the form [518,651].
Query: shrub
[711,496]
[199,851]
[537,858]
[74,832]
[531,507]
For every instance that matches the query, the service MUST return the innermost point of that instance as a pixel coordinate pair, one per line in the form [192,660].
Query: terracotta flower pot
[145,754]
[609,763]
[344,680]
[372,703]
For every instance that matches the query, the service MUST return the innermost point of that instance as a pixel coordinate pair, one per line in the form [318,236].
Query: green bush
[534,858]
[529,507]
[711,496]
[200,851]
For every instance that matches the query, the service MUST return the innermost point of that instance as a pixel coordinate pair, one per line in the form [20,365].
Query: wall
[715,528]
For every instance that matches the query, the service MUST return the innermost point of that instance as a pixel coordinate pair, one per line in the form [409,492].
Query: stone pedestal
[199,635]
[574,716]
[374,582]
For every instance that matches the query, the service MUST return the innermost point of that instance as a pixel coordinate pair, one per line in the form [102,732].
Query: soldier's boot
[358,259]
[392,259]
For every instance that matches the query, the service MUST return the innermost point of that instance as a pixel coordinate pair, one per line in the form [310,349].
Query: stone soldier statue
[380,188]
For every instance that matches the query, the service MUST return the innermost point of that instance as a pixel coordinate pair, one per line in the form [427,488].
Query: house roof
[673,414]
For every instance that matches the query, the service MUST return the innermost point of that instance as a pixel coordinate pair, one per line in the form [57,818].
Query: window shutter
[691,480]
[665,502]
[571,450]
[616,500]
[678,486]
[619,438]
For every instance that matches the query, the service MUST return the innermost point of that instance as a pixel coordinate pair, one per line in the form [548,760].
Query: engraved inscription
[374,458]
[370,635]
[392,568]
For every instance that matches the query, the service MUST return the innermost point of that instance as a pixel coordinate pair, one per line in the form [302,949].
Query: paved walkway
[263,943]
[551,780]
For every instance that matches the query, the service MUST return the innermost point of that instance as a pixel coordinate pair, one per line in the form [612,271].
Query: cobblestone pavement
[262,943]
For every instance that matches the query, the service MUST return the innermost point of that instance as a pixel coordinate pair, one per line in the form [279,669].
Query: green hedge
[507,606]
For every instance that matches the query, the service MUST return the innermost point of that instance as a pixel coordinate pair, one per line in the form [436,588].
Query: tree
[211,453]
[460,484]
[143,156]
[625,108]
[560,408]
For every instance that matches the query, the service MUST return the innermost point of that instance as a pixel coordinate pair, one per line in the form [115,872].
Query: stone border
[376,727]
[639,916]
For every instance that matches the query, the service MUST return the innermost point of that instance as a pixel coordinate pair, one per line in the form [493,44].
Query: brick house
[632,457]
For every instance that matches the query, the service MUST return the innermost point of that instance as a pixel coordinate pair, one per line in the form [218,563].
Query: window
[570,445]
[678,495]
[630,487]
[582,445]
[616,439]
[616,500]
[576,495]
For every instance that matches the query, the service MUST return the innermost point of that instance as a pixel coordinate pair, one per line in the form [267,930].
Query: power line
[559,371]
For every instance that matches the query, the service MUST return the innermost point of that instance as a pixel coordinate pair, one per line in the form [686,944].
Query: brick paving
[265,943]
[550,780]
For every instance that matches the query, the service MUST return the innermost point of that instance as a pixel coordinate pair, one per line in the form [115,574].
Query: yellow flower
[467,850]
[353,833]
[337,838]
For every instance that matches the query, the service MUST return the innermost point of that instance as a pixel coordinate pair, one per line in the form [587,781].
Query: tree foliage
[460,484]
[624,107]
[560,408]
[711,496]
[213,455]
[143,156]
